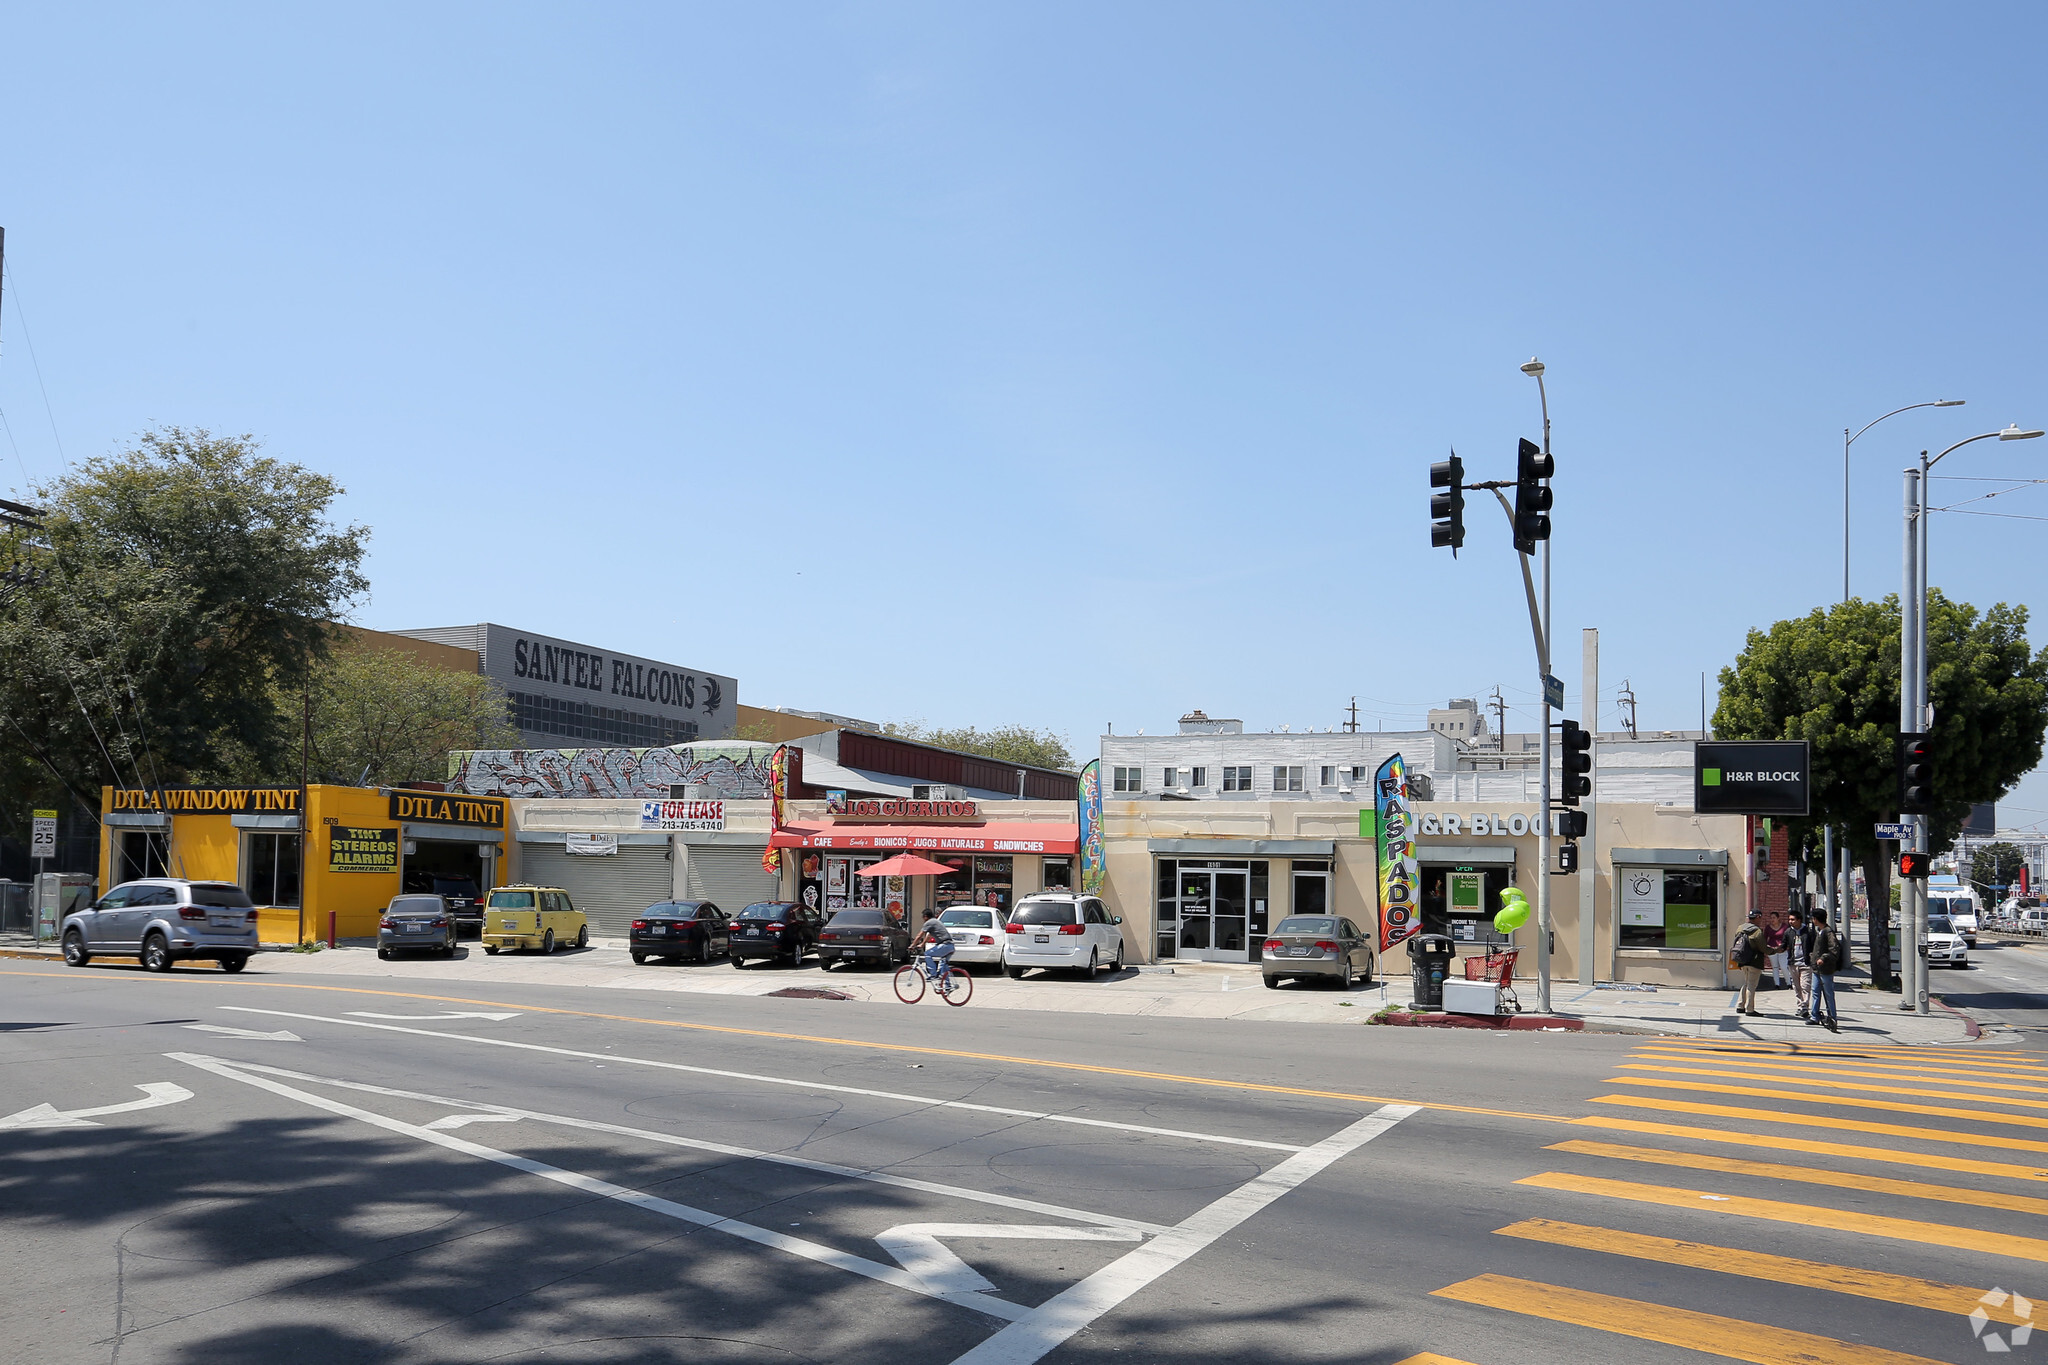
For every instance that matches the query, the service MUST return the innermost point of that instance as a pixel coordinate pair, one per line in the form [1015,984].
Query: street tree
[1831,678]
[1008,743]
[1995,865]
[176,588]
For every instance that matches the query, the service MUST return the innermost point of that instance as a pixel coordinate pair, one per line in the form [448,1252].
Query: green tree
[177,588]
[1996,865]
[1009,743]
[1831,678]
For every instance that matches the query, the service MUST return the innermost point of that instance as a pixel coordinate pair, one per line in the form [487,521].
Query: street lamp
[1847,441]
[1913,716]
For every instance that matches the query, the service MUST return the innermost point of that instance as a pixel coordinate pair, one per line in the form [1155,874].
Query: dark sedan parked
[416,922]
[780,930]
[863,936]
[693,931]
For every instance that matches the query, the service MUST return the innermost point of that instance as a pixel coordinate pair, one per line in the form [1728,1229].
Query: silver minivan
[163,920]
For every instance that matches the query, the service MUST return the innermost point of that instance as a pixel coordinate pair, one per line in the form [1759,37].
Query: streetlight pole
[1913,693]
[1534,369]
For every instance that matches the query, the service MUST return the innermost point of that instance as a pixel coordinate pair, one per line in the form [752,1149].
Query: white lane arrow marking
[365,1014]
[917,1248]
[281,1036]
[462,1120]
[156,1094]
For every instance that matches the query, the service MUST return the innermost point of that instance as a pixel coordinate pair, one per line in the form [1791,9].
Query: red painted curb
[1509,1022]
[1970,1028]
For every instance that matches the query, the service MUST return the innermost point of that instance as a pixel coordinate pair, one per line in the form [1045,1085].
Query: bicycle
[956,987]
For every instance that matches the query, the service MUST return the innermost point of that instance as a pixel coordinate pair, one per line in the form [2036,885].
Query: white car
[977,934]
[1945,947]
[1062,931]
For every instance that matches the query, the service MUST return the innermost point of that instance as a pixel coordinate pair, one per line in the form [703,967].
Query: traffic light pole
[1911,969]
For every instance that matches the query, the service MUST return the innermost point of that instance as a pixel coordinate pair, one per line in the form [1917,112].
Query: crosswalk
[1715,1160]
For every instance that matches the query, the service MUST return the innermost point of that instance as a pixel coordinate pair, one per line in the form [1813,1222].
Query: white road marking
[156,1094]
[917,1248]
[454,1121]
[281,1036]
[1006,1201]
[795,1246]
[1045,1327]
[365,1014]
[784,1080]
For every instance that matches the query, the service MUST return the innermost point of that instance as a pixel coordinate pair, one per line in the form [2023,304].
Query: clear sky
[1063,364]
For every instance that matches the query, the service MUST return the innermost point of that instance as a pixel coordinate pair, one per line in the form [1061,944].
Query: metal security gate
[610,890]
[730,877]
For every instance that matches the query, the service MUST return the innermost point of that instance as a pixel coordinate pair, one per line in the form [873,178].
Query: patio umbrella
[905,865]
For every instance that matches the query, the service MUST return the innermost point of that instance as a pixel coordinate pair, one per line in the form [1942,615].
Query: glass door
[1215,908]
[1197,891]
[1232,905]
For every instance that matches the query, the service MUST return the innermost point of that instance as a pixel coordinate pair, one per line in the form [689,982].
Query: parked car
[2033,921]
[1062,931]
[869,936]
[1945,947]
[675,931]
[416,923]
[540,917]
[977,932]
[780,930]
[465,902]
[163,921]
[1316,947]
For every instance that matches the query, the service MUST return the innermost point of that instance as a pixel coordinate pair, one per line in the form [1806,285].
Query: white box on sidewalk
[1472,997]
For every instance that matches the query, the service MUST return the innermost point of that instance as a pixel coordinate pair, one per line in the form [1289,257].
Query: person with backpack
[1830,955]
[1748,954]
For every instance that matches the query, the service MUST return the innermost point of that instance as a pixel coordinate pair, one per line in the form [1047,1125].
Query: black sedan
[693,931]
[863,936]
[782,931]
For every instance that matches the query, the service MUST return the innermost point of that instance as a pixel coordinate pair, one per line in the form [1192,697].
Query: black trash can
[1429,958]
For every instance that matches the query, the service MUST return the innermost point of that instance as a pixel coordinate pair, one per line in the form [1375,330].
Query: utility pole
[1499,707]
[1352,725]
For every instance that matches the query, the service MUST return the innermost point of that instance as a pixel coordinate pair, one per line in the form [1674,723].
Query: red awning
[989,838]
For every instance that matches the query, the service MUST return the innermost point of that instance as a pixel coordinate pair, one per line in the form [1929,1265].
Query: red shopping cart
[1499,968]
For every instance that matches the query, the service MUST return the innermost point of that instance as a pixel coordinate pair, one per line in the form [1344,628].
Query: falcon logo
[714,695]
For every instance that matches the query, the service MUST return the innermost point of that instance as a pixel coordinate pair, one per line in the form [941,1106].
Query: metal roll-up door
[730,876]
[610,890]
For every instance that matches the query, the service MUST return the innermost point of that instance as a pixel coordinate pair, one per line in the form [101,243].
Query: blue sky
[1064,364]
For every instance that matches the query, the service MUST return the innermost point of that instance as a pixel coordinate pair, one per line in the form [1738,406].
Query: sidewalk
[1183,991]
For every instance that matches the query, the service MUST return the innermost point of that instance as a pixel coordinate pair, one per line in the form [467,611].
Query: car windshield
[416,905]
[856,919]
[1045,912]
[511,900]
[1306,924]
[219,897]
[765,910]
[1940,924]
[454,886]
[969,919]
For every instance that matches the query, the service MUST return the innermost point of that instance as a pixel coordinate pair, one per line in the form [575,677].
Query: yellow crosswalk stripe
[1890,1107]
[1853,1151]
[1893,1059]
[1731,1338]
[1929,1068]
[1997,1058]
[1909,1290]
[1831,1084]
[1944,1235]
[1773,1069]
[1430,1358]
[1809,1175]
[1729,1111]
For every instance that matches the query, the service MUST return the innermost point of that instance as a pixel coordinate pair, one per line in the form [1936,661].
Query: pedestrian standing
[1775,935]
[1799,958]
[1829,953]
[1747,955]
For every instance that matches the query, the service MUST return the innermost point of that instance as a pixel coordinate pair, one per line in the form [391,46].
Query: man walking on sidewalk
[1747,953]
[1799,959]
[1829,952]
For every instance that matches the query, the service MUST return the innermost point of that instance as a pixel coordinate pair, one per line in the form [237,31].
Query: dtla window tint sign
[1751,777]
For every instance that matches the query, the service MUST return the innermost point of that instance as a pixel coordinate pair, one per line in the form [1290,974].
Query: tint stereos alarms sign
[1751,777]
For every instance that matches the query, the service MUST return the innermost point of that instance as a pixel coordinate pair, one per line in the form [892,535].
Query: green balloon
[1512,918]
[1513,896]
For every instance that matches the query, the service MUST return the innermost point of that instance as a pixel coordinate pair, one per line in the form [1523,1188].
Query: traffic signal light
[1577,763]
[1571,824]
[1447,509]
[1915,864]
[1532,496]
[1916,775]
[1568,858]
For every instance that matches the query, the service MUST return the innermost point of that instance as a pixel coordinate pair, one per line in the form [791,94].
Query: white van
[1961,911]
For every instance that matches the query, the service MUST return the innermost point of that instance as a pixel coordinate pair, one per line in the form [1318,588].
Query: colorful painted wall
[732,770]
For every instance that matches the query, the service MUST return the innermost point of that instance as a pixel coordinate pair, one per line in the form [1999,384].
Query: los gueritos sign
[891,808]
[438,808]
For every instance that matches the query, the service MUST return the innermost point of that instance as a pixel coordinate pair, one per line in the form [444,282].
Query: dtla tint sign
[207,800]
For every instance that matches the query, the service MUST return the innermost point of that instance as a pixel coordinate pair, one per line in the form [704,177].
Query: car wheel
[583,936]
[1272,982]
[1119,957]
[1014,973]
[234,962]
[490,950]
[1365,977]
[1094,964]
[383,954]
[156,953]
[739,962]
[547,942]
[824,963]
[1344,981]
[639,959]
[74,949]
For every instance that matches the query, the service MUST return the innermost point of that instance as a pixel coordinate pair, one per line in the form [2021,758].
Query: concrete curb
[1497,1022]
[1970,1026]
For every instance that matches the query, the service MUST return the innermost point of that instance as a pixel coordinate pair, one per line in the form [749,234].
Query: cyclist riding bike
[939,946]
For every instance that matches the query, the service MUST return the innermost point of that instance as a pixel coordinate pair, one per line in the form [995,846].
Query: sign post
[42,846]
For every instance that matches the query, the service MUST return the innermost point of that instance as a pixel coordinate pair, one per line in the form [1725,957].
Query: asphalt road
[543,1174]
[2005,986]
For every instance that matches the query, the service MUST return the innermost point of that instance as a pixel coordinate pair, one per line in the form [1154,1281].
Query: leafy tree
[1010,743]
[1832,678]
[377,717]
[177,588]
[1996,865]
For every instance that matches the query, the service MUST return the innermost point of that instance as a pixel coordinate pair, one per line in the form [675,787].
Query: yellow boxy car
[532,917]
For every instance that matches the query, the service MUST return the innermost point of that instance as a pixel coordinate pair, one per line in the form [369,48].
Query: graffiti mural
[730,770]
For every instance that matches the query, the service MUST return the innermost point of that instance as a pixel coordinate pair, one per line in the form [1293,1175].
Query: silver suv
[163,919]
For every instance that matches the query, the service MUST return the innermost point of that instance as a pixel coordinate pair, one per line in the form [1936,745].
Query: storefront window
[1058,874]
[1459,901]
[1311,888]
[270,868]
[142,855]
[1670,908]
[978,880]
[1212,908]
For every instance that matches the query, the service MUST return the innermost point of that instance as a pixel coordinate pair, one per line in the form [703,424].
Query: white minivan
[1062,931]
